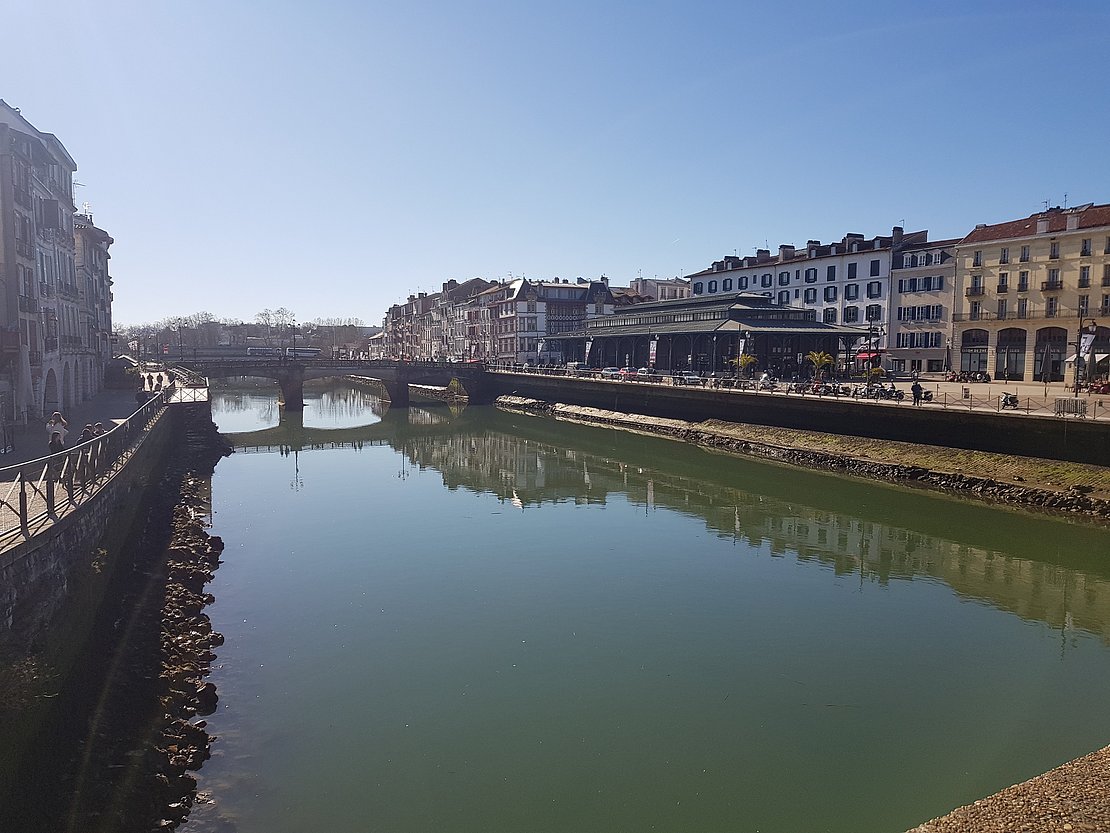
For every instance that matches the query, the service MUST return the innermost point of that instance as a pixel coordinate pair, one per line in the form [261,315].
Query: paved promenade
[110,407]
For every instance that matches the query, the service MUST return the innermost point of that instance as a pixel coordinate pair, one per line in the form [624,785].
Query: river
[475,621]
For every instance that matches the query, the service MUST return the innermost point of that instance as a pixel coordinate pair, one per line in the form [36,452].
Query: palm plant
[819,359]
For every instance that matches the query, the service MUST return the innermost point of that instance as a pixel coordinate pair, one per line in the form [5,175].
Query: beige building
[1025,288]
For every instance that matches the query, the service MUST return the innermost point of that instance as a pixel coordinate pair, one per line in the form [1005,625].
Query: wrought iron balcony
[1051,286]
[28,304]
[973,291]
[1002,287]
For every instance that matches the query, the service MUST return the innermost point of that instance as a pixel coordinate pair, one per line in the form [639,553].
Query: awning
[866,355]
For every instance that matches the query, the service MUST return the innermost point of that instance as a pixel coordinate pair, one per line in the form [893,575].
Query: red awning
[866,355]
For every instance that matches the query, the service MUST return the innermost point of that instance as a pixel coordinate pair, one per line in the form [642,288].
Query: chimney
[896,236]
[786,252]
[762,255]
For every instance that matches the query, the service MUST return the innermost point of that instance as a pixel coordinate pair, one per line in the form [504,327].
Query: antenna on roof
[1046,205]
[1065,199]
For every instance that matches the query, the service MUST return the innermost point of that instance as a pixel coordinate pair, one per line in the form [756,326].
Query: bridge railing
[36,493]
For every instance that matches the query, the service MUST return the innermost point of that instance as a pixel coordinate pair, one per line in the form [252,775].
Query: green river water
[476,621]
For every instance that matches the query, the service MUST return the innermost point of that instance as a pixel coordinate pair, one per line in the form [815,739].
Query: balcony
[28,304]
[36,358]
[23,197]
[973,291]
[1002,287]
[1023,287]
[46,290]
[1106,281]
[49,344]
[24,249]
[1051,286]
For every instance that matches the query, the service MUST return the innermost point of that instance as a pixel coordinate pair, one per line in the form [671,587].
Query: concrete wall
[35,576]
[1077,440]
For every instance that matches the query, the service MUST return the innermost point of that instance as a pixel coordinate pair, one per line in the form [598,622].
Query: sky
[334,157]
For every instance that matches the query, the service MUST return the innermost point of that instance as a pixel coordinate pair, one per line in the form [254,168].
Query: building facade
[846,282]
[54,324]
[1024,290]
[922,283]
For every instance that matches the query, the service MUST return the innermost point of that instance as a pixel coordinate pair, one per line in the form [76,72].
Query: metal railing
[35,494]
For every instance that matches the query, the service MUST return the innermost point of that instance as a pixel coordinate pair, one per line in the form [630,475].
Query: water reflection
[1023,566]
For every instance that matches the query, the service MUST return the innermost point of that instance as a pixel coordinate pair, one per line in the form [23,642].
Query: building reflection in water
[526,472]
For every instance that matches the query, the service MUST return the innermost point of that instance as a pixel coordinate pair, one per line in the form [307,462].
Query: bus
[302,352]
[263,351]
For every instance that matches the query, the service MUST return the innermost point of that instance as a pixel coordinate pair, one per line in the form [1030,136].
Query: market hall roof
[728,313]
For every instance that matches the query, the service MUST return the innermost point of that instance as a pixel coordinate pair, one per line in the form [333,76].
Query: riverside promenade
[38,489]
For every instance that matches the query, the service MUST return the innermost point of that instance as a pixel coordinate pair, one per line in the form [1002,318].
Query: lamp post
[293,350]
[1091,330]
[948,356]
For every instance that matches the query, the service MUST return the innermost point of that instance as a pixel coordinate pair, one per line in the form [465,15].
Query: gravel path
[1074,797]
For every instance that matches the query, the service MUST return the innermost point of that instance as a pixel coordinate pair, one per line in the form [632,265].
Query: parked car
[688,378]
[649,374]
[628,373]
[610,373]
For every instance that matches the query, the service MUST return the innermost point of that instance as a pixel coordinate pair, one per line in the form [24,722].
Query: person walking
[917,391]
[57,425]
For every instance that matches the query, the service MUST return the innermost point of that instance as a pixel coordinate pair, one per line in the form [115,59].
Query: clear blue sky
[333,157]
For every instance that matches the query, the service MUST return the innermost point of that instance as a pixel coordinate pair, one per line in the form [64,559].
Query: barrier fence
[36,493]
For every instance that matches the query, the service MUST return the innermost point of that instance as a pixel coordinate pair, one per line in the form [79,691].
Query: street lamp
[293,351]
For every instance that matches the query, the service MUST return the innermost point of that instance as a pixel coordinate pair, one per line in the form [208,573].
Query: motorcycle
[1008,400]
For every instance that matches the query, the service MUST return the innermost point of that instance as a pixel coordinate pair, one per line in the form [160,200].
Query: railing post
[50,502]
[23,504]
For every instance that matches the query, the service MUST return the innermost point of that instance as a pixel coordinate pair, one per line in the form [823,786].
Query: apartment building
[94,326]
[1025,288]
[846,282]
[922,283]
[660,289]
[52,359]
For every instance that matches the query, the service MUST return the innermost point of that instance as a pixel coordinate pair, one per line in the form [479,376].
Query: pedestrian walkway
[110,407]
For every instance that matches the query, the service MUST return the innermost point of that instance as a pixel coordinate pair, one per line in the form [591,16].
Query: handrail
[30,497]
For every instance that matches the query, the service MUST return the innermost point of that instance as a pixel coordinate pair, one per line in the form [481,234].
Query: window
[874,268]
[851,292]
[1003,281]
[874,312]
[742,282]
[851,271]
[1084,304]
[1084,276]
[767,280]
[976,311]
[712,287]
[698,288]
[1085,248]
[1054,249]
[811,276]
[977,258]
[830,293]
[1023,282]
[1001,308]
[1024,254]
[784,297]
[1053,278]
[1022,308]
[851,315]
[784,278]
[1051,307]
[811,296]
[1004,255]
[875,289]
[726,285]
[830,272]
[830,315]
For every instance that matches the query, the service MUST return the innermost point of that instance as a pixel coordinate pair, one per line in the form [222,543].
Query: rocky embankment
[1028,484]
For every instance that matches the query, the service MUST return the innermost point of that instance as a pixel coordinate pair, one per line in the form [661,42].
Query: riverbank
[113,734]
[1027,482]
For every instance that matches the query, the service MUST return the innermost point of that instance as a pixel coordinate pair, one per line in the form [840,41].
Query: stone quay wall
[1054,438]
[35,575]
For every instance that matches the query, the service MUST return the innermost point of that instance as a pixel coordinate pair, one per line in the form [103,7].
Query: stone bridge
[395,377]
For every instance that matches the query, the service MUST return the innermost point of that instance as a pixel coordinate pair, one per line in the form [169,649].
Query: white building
[923,280]
[847,282]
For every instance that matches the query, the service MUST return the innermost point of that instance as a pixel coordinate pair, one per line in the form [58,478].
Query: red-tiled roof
[1092,217]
